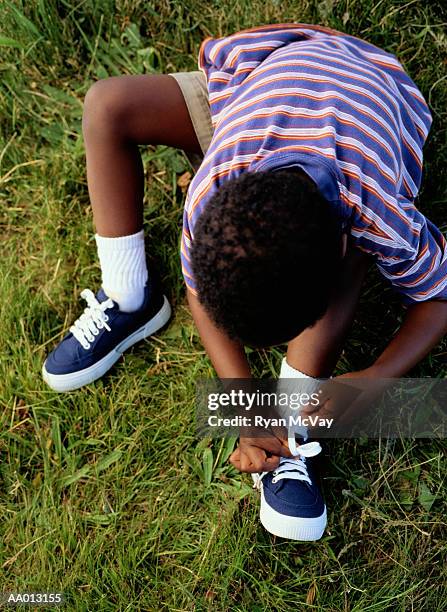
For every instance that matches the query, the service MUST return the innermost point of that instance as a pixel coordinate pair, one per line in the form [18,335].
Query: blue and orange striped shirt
[344,111]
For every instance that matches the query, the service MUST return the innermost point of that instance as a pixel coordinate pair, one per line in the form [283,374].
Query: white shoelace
[292,469]
[92,320]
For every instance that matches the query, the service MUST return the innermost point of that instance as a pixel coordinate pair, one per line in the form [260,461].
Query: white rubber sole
[75,380]
[292,527]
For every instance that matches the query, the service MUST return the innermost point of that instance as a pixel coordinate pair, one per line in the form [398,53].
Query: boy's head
[265,255]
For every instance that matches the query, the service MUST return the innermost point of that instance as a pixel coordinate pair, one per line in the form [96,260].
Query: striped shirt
[346,113]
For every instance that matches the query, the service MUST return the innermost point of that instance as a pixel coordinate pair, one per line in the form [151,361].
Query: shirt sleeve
[185,254]
[413,257]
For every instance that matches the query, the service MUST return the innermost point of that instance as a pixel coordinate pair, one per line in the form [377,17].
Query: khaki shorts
[195,92]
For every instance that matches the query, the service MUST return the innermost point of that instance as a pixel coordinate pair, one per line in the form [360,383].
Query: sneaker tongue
[101,296]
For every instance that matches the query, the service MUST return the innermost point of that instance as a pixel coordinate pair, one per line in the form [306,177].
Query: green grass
[106,494]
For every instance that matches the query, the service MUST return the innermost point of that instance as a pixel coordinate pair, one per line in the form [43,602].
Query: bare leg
[316,350]
[119,114]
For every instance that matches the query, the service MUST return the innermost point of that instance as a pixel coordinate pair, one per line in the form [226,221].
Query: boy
[312,144]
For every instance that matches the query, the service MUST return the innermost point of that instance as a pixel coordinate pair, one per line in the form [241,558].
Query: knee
[105,108]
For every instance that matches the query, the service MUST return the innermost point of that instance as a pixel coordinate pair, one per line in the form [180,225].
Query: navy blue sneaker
[291,502]
[99,337]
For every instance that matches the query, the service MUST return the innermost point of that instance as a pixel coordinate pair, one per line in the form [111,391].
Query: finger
[323,395]
[258,461]
[236,454]
[328,409]
[284,451]
[281,449]
[330,412]
[323,411]
[313,408]
[252,459]
[280,433]
[325,391]
[271,463]
[274,445]
[246,463]
[235,458]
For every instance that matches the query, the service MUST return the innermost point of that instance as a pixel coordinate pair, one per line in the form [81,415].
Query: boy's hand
[348,397]
[260,454]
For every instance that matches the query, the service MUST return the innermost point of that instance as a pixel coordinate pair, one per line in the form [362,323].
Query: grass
[106,494]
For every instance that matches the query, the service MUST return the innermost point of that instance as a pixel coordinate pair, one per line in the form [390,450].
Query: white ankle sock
[312,386]
[288,372]
[123,267]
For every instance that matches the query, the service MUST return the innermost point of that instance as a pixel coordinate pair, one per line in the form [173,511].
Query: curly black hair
[265,255]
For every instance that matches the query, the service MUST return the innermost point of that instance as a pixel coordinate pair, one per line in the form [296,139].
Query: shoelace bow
[92,320]
[292,469]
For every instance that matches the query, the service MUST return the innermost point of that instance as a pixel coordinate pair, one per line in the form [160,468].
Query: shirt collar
[322,170]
